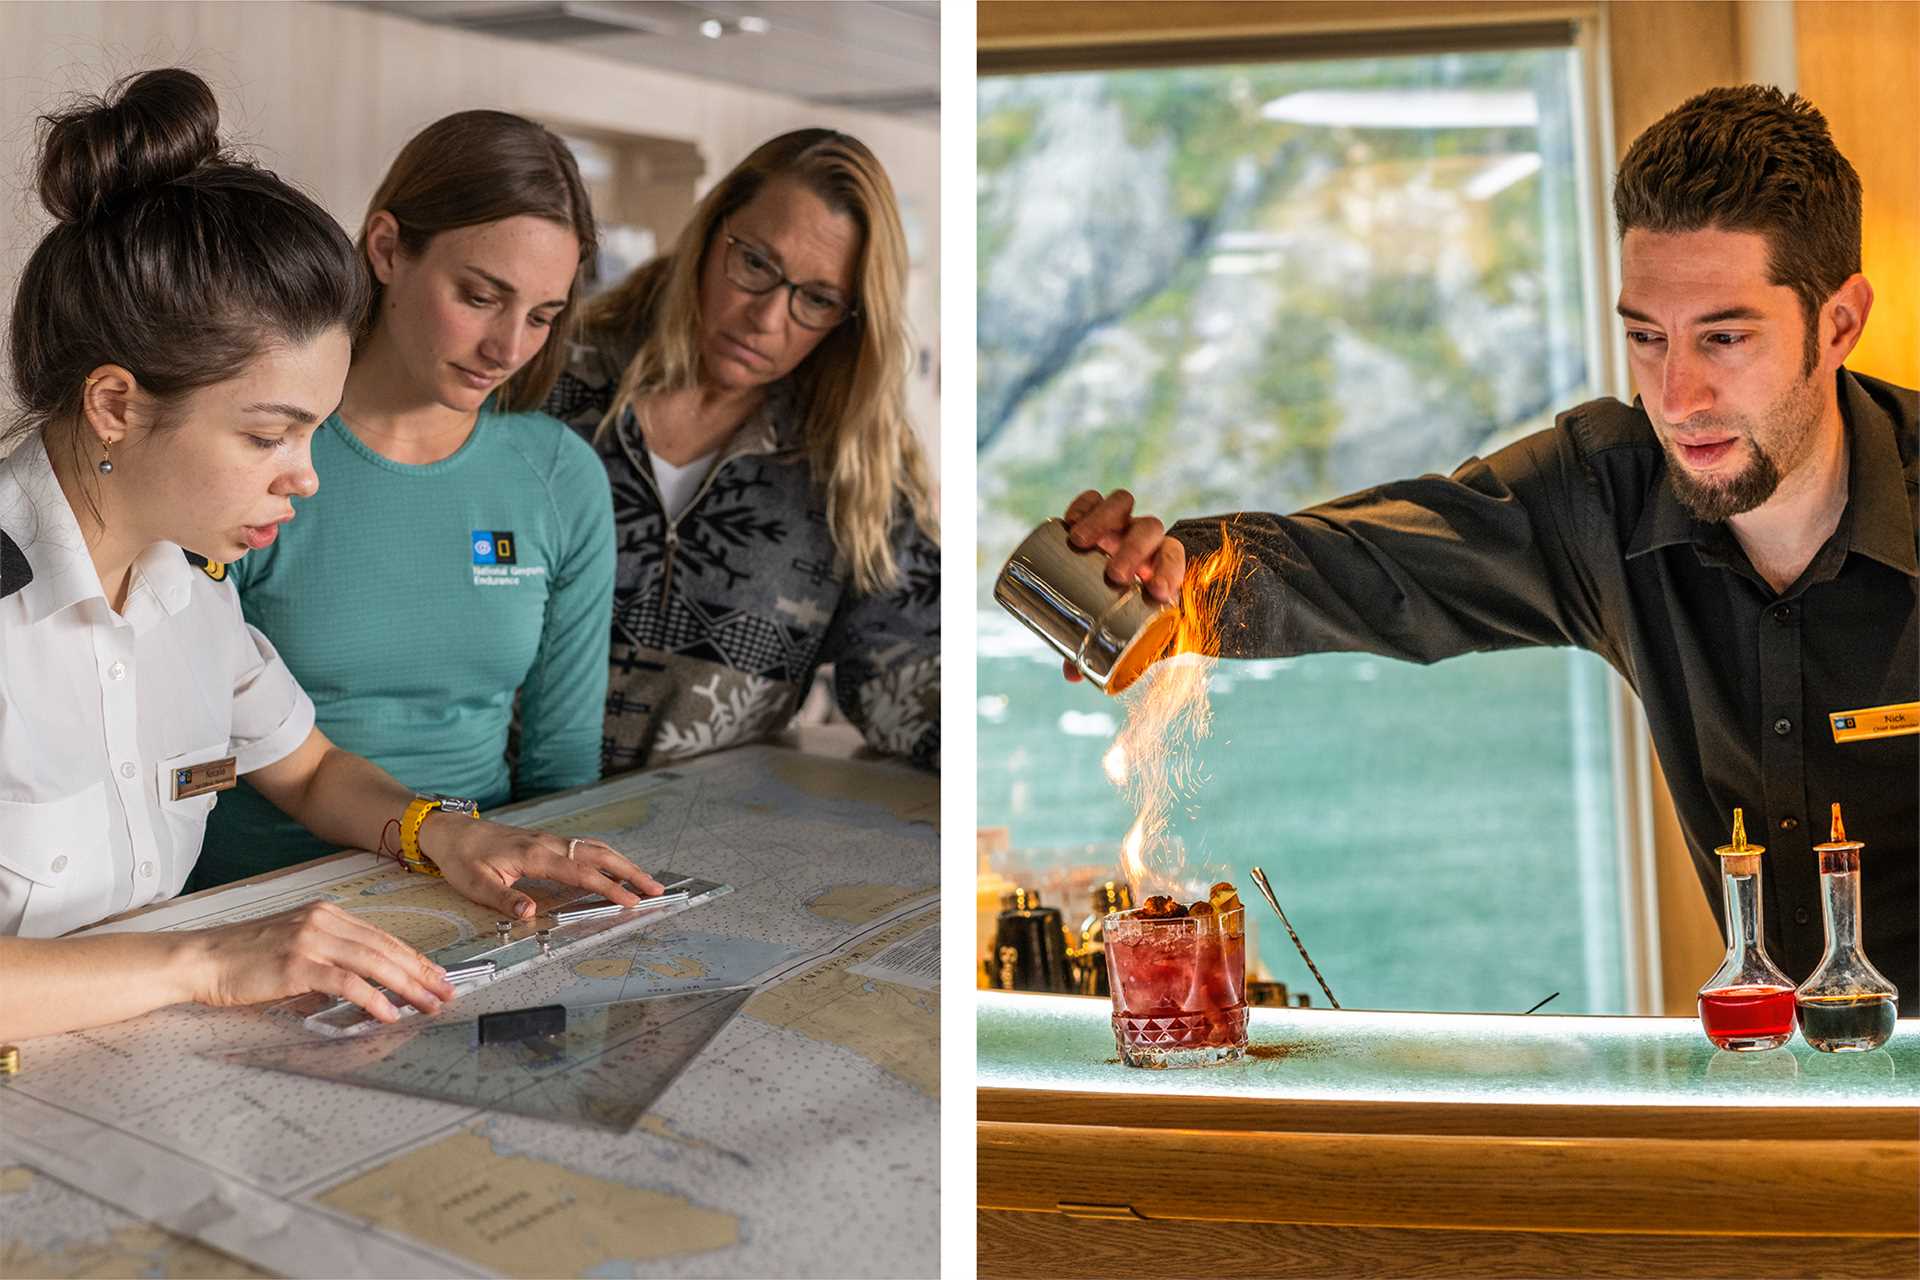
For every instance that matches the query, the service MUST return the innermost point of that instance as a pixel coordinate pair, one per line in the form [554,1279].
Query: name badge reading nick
[1889,721]
[198,779]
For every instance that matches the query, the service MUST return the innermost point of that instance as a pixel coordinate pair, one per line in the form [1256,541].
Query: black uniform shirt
[1573,537]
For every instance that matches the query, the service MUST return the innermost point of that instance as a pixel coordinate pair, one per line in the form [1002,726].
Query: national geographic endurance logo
[496,559]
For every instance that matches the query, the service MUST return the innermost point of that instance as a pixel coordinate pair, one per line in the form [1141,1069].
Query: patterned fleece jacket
[721,616]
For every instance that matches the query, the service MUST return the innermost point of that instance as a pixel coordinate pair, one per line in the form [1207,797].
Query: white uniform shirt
[98,709]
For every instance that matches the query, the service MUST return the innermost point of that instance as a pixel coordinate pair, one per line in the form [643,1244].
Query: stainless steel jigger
[1111,634]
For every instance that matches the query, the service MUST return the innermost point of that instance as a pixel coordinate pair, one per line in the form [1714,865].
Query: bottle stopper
[1837,841]
[1738,846]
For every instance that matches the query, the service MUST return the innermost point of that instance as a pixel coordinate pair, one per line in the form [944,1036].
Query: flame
[1130,861]
[1155,757]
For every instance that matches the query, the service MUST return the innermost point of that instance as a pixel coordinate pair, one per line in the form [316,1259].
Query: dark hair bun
[145,131]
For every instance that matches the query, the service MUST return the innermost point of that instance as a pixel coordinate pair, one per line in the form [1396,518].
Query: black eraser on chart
[523,1024]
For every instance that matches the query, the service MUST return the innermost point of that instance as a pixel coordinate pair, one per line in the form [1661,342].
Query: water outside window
[1260,287]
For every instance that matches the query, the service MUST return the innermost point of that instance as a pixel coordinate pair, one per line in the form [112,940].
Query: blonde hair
[863,451]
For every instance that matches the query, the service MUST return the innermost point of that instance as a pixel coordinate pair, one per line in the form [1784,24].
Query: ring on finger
[571,846]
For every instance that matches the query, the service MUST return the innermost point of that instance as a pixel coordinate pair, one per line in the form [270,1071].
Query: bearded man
[1739,543]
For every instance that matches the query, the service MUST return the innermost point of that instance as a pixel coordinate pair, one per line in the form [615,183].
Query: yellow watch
[410,855]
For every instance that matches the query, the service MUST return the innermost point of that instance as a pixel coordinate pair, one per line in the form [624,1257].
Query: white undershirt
[677,485]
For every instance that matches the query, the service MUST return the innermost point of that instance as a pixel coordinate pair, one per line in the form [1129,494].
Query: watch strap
[411,856]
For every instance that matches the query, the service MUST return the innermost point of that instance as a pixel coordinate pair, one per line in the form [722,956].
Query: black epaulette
[215,569]
[15,572]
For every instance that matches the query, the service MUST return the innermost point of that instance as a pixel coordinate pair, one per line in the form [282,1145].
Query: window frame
[1660,907]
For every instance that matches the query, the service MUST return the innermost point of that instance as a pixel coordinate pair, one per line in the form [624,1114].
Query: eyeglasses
[750,269]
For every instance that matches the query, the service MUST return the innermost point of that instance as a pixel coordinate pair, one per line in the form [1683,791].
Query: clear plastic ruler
[608,1065]
[517,946]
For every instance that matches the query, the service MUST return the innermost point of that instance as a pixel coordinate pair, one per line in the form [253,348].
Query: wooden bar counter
[1399,1144]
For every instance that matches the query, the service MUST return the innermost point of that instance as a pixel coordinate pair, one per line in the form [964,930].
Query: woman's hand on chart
[318,947]
[1138,548]
[484,859]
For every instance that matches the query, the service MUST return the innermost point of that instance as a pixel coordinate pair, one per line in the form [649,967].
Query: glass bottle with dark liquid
[1090,958]
[1847,1005]
[1748,1003]
[1029,946]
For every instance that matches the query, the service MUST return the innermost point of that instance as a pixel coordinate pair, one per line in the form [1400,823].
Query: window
[1261,286]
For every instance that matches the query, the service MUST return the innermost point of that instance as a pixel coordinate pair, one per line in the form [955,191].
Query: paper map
[803,1141]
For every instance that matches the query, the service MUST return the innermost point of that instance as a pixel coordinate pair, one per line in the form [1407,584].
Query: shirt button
[1783,726]
[1783,613]
[118,671]
[127,770]
[1788,824]
[146,869]
[1800,915]
[60,863]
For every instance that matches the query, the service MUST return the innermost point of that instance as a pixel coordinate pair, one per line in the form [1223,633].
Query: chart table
[802,1140]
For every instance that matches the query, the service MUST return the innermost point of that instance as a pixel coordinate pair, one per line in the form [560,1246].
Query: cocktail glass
[1179,987]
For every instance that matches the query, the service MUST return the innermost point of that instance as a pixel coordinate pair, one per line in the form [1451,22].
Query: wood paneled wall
[1659,54]
[1662,52]
[1859,62]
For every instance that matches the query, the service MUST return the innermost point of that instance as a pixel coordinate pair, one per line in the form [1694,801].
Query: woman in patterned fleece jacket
[747,394]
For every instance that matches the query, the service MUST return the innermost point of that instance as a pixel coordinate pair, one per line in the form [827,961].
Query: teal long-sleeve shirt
[413,602]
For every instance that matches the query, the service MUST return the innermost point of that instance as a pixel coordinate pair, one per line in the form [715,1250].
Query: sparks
[1155,756]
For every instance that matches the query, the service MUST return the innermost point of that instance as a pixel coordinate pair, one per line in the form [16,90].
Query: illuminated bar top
[1059,1051]
[1370,1143]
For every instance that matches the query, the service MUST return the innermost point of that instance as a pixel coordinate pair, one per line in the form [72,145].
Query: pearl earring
[105,464]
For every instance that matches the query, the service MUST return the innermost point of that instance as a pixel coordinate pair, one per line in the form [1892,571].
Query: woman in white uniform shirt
[176,338]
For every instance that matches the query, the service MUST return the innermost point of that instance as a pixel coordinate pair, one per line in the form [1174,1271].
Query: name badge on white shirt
[198,779]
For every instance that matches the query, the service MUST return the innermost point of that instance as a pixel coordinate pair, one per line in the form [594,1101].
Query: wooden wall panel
[1859,62]
[1662,52]
[1691,945]
[1659,54]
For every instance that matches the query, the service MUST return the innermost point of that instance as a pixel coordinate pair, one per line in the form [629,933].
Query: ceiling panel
[876,55]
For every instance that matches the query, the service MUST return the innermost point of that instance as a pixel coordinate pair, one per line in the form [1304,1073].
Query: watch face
[452,804]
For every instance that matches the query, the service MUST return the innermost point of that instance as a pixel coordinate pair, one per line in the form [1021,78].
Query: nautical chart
[803,1139]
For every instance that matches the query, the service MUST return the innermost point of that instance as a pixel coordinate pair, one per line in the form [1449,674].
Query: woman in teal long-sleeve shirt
[458,558]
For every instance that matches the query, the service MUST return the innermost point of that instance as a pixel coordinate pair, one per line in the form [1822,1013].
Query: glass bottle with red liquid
[1846,1005]
[1748,1003]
